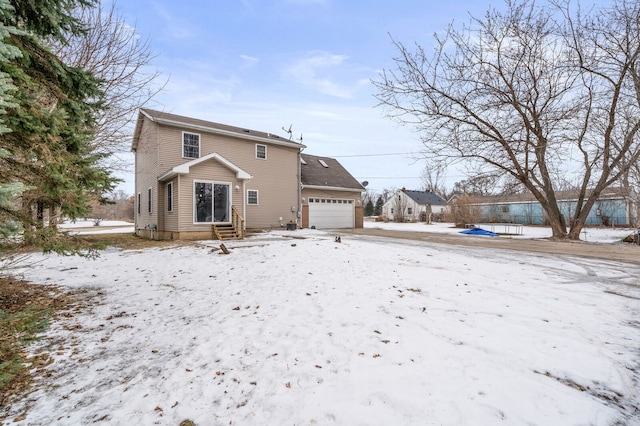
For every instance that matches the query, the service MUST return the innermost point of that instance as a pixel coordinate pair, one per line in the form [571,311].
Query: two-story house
[197,179]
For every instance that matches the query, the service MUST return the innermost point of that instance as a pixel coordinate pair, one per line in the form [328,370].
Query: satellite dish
[365,183]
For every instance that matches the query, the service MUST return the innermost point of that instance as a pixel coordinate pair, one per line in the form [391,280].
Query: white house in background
[418,206]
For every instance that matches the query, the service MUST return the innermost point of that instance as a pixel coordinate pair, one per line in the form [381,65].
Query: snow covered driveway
[300,331]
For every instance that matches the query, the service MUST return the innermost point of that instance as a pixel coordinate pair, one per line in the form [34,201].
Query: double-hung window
[149,204]
[190,145]
[170,197]
[252,197]
[261,152]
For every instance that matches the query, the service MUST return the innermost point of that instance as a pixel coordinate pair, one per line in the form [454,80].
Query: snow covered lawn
[305,330]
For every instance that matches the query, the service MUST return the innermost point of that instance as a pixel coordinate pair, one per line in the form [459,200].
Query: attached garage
[327,213]
[331,197]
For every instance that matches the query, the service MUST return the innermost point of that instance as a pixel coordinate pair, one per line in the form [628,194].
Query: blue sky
[308,64]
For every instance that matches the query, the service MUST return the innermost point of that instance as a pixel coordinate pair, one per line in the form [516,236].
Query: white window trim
[199,144]
[257,197]
[139,203]
[265,151]
[193,201]
[170,196]
[150,200]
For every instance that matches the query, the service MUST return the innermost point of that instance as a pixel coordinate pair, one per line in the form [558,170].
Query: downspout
[299,171]
[135,192]
[244,205]
[177,197]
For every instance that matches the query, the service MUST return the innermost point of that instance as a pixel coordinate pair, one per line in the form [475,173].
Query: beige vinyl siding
[171,217]
[170,148]
[146,175]
[275,178]
[211,171]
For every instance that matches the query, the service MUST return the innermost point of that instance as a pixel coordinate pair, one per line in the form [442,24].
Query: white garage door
[327,213]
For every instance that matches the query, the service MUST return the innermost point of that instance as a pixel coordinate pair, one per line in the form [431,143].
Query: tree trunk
[556,219]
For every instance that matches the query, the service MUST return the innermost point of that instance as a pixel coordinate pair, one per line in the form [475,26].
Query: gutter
[227,132]
[332,188]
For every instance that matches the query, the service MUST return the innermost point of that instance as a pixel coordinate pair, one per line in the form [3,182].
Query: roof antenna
[288,131]
[300,138]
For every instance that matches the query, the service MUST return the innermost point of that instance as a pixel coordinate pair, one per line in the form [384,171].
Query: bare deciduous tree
[433,178]
[538,92]
[400,207]
[463,211]
[481,185]
[114,52]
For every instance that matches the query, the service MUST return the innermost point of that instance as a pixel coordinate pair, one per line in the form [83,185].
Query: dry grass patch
[26,311]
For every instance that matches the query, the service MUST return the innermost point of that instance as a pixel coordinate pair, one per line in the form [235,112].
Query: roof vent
[323,163]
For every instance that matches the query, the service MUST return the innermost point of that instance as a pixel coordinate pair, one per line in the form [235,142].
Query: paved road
[623,252]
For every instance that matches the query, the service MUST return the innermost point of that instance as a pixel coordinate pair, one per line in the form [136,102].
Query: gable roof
[209,127]
[425,197]
[334,176]
[183,169]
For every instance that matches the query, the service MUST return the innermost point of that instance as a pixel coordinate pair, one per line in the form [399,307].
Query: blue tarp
[479,231]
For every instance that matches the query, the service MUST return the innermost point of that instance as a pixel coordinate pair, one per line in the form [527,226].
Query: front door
[212,202]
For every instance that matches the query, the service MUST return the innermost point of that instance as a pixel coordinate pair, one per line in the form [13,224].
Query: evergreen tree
[368,208]
[49,122]
[8,190]
[377,211]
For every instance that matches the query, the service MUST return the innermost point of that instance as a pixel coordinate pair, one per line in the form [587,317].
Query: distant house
[331,196]
[407,205]
[613,207]
[196,179]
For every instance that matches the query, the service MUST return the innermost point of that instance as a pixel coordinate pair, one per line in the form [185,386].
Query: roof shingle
[424,197]
[315,174]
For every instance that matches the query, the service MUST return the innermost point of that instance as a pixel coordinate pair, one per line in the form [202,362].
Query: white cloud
[173,27]
[322,72]
[248,61]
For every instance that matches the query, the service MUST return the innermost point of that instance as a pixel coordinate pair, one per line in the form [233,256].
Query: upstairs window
[261,152]
[190,145]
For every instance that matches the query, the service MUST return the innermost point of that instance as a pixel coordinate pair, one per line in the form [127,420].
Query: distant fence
[542,220]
